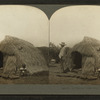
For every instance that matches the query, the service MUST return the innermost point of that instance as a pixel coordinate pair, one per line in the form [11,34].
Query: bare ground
[26,80]
[56,77]
[41,78]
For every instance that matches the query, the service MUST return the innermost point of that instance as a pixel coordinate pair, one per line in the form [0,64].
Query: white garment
[62,52]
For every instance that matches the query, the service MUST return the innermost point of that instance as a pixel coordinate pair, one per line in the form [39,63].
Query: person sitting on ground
[23,70]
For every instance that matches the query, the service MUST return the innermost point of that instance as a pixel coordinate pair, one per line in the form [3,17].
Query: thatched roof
[88,46]
[25,53]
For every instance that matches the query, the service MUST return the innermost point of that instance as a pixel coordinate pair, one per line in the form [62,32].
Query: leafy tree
[54,51]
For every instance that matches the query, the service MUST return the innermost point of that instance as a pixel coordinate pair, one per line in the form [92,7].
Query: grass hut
[17,53]
[85,55]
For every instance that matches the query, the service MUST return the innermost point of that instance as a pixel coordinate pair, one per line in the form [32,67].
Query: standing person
[61,55]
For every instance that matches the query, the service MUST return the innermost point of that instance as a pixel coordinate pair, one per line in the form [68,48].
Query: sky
[70,24]
[25,22]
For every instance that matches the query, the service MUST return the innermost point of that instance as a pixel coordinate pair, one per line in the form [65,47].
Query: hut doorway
[1,59]
[76,59]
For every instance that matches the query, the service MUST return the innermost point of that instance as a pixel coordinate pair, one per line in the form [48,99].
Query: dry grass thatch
[18,52]
[89,48]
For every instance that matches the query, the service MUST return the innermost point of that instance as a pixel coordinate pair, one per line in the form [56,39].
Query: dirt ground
[57,77]
[26,80]
[42,78]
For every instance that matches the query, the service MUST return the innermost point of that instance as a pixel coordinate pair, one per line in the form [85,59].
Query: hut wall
[88,66]
[83,60]
[10,66]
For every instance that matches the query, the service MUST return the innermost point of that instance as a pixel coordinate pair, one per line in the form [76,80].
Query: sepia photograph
[75,45]
[50,46]
[49,49]
[23,39]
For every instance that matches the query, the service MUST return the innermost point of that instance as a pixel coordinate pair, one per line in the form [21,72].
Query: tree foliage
[54,52]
